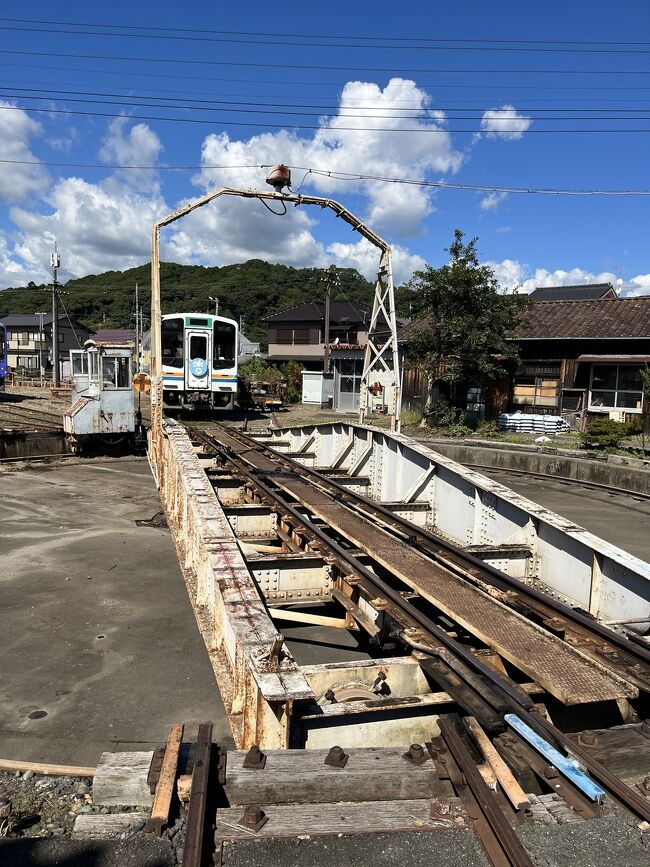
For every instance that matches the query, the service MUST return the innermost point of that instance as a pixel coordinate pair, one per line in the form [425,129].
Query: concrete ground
[619,519]
[100,650]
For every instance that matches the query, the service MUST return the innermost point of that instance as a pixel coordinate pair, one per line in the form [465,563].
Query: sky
[113,115]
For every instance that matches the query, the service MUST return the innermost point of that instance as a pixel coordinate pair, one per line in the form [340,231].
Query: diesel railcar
[199,360]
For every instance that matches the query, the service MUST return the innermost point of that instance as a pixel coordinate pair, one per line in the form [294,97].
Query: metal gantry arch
[380,383]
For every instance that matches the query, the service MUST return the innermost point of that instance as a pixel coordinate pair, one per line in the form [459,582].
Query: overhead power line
[333,68]
[214,96]
[392,37]
[282,41]
[302,83]
[224,104]
[431,130]
[344,176]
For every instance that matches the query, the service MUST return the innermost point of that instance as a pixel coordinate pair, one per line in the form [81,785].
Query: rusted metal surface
[258,688]
[195,824]
[511,850]
[605,646]
[561,669]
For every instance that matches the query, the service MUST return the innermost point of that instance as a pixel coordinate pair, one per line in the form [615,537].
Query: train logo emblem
[199,366]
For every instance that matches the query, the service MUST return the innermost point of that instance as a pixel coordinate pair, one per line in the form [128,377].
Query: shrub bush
[604,433]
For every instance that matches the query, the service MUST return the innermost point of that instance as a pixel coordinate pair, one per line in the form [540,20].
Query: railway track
[608,490]
[447,604]
[500,675]
[14,417]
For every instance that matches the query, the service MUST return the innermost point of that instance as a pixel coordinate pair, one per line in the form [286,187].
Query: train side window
[108,371]
[172,342]
[224,348]
[123,372]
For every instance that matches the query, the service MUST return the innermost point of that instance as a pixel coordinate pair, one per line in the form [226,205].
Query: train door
[197,374]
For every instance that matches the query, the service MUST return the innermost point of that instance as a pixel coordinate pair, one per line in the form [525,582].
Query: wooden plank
[378,705]
[194,826]
[107,826]
[510,786]
[121,780]
[289,820]
[165,788]
[46,769]
[301,776]
[305,617]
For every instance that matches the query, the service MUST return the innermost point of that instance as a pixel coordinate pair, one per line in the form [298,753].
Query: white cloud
[503,230]
[351,142]
[13,272]
[505,123]
[492,201]
[136,145]
[638,286]
[107,224]
[363,256]
[19,181]
[515,275]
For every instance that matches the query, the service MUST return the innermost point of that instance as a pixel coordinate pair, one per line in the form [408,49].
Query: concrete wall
[626,474]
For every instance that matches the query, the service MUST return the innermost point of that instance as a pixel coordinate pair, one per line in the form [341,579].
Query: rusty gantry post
[381,363]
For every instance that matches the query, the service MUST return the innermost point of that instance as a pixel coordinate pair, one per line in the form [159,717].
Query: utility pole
[332,278]
[41,338]
[216,304]
[137,332]
[55,261]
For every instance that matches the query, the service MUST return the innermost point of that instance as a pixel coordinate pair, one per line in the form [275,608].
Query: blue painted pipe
[566,766]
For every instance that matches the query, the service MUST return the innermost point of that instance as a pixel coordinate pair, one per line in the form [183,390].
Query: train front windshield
[224,345]
[172,342]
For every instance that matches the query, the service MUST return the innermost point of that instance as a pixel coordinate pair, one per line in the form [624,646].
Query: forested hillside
[250,290]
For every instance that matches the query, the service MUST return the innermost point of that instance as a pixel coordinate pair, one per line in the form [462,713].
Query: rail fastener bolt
[336,758]
[254,817]
[255,759]
[416,754]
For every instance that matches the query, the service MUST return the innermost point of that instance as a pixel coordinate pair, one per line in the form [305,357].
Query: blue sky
[505,94]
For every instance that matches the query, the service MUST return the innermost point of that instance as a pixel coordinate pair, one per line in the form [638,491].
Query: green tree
[462,320]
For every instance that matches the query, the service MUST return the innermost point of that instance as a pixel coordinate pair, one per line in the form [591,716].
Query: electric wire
[335,68]
[212,96]
[436,45]
[222,104]
[338,128]
[345,176]
[319,35]
[284,82]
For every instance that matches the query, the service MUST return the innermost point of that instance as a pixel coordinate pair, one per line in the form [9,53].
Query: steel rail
[436,632]
[423,539]
[634,802]
[511,850]
[598,486]
[195,829]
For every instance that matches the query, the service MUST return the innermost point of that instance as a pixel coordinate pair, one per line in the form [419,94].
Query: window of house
[61,337]
[615,386]
[293,336]
[537,386]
